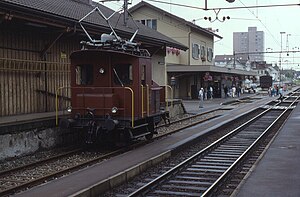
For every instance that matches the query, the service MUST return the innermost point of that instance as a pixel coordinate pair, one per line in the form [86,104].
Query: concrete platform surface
[278,172]
[88,181]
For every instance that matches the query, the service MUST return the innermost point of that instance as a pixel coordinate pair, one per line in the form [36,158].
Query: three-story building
[186,71]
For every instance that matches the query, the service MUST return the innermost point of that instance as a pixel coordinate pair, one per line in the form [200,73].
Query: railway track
[35,173]
[191,120]
[204,172]
[195,119]
[25,176]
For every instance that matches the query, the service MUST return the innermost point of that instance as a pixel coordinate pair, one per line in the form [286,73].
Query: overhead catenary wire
[226,8]
[277,42]
[236,7]
[244,6]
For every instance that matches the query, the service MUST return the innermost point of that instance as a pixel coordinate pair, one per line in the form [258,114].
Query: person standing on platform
[238,91]
[200,96]
[233,91]
[280,93]
[211,90]
[270,91]
[225,91]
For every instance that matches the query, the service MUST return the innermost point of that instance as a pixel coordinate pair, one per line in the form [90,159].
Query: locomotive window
[84,74]
[123,74]
[143,75]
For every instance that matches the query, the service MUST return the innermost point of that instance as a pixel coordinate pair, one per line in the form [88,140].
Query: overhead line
[260,52]
[224,8]
[261,23]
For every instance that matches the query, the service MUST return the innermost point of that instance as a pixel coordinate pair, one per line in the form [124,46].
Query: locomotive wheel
[91,132]
[149,136]
[150,129]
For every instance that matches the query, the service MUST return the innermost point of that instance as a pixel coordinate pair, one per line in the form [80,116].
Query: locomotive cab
[113,97]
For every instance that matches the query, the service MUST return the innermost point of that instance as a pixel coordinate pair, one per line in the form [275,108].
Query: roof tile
[74,10]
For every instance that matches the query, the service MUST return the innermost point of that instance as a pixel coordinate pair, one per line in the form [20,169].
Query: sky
[271,20]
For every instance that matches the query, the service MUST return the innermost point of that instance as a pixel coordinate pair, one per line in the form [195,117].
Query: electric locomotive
[113,96]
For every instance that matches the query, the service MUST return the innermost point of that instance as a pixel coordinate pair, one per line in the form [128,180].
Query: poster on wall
[207,77]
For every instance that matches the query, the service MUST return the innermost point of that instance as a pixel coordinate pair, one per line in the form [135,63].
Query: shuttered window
[195,51]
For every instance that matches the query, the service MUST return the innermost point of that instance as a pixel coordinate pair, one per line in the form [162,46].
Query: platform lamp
[280,60]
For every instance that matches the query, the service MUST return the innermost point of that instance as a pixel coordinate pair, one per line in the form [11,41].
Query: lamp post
[294,51]
[280,60]
[287,43]
[286,62]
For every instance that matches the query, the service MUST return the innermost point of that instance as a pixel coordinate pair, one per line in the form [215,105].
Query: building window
[209,54]
[152,23]
[203,53]
[195,51]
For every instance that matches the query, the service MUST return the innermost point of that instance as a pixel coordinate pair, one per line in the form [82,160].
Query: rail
[247,139]
[142,100]
[28,86]
[166,99]
[132,106]
[56,103]
[147,100]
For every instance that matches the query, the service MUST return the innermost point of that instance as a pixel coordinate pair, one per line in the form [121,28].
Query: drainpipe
[189,44]
[46,82]
[189,54]
[43,55]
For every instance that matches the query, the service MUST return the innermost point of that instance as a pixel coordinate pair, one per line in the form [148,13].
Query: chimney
[88,2]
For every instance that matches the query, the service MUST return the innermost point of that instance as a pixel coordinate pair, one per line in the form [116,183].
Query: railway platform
[192,106]
[278,171]
[19,123]
[93,180]
[41,131]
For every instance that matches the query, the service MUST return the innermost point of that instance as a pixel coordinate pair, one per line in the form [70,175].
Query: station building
[37,38]
[188,71]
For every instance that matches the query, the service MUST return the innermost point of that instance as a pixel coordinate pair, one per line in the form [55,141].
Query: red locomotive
[113,97]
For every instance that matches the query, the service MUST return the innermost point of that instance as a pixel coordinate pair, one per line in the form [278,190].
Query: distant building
[188,71]
[262,68]
[274,71]
[228,61]
[250,43]
[221,59]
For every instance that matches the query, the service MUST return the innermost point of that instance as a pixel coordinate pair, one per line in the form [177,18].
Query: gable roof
[69,12]
[190,24]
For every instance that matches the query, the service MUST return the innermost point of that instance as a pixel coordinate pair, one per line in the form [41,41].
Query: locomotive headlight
[101,71]
[114,110]
[69,109]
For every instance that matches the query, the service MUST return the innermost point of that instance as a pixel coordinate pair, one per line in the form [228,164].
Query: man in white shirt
[200,96]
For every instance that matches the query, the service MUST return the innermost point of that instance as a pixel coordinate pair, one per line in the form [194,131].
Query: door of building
[194,92]
[217,89]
